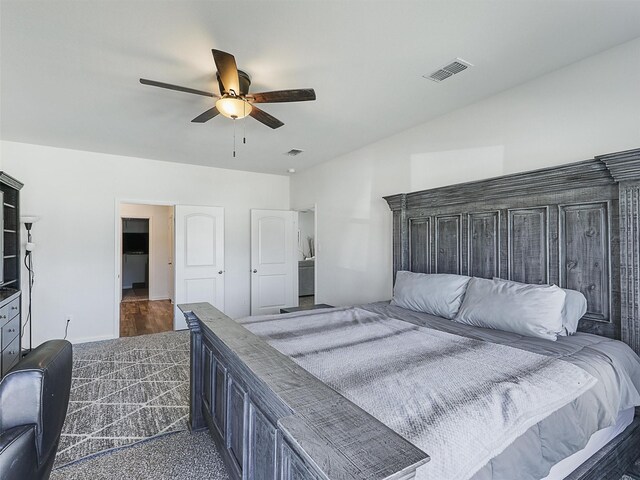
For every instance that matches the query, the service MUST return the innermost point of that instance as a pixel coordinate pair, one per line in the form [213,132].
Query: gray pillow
[438,294]
[531,310]
[575,306]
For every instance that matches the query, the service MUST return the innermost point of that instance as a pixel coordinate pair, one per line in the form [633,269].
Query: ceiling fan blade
[228,70]
[206,116]
[297,95]
[153,83]
[264,117]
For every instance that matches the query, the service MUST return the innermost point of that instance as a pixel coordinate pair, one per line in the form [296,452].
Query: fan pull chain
[244,124]
[234,138]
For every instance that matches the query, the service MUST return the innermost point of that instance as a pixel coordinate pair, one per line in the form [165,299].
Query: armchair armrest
[36,392]
[18,454]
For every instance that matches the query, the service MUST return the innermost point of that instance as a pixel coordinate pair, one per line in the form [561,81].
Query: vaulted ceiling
[69,70]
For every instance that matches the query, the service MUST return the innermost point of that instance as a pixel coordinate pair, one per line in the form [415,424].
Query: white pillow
[438,294]
[531,310]
[575,306]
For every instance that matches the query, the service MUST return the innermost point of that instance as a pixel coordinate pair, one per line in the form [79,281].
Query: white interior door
[199,258]
[274,266]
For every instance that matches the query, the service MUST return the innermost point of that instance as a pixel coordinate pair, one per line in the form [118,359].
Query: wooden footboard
[274,420]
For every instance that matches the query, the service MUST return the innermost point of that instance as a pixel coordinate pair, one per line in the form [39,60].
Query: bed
[278,404]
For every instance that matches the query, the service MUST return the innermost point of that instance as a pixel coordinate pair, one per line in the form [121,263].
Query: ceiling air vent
[457,66]
[293,152]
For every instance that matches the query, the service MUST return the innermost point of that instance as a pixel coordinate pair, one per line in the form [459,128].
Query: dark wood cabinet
[10,319]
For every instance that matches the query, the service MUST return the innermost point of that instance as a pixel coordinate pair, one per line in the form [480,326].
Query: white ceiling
[69,69]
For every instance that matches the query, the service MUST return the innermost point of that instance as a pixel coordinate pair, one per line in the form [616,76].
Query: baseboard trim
[97,338]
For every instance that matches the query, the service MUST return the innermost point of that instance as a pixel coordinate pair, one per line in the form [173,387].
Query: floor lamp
[28,263]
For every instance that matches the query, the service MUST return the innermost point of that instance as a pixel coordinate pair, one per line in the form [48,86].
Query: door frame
[118,251]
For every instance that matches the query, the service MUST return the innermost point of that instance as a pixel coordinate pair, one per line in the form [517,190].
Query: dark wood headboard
[575,225]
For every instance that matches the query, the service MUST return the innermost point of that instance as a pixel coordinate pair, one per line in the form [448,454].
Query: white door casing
[274,266]
[199,258]
[171,259]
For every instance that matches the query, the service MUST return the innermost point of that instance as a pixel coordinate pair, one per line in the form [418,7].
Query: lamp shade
[233,107]
[29,219]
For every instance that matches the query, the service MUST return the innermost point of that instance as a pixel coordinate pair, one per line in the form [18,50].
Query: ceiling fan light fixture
[233,107]
[236,102]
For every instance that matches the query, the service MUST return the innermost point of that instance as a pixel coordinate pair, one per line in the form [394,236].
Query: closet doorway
[147,275]
[307,257]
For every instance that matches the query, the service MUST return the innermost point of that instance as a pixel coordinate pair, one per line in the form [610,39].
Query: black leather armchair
[34,396]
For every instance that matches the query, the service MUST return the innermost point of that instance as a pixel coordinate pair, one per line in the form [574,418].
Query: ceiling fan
[234,100]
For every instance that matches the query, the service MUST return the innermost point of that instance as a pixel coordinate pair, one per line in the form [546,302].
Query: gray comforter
[555,436]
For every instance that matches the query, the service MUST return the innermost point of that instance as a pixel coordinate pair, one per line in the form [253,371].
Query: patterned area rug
[181,455]
[124,391]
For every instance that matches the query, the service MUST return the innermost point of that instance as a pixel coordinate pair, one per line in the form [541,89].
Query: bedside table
[300,309]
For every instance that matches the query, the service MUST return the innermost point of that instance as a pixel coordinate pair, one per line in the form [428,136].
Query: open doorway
[307,257]
[147,277]
[135,259]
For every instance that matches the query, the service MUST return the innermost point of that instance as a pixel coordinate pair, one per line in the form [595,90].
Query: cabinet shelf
[10,265]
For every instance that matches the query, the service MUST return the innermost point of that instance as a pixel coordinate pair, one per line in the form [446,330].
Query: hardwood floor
[145,316]
[306,301]
[135,294]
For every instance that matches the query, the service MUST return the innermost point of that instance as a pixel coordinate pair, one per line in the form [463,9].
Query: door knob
[220,272]
[255,271]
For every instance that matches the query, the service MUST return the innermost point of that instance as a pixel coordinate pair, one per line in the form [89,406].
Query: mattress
[598,440]
[564,431]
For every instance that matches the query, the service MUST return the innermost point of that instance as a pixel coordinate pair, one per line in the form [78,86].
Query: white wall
[160,245]
[77,195]
[591,107]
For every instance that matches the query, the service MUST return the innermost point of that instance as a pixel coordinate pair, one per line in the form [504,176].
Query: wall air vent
[457,66]
[293,152]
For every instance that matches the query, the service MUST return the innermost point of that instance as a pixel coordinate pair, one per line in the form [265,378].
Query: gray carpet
[182,455]
[124,391]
